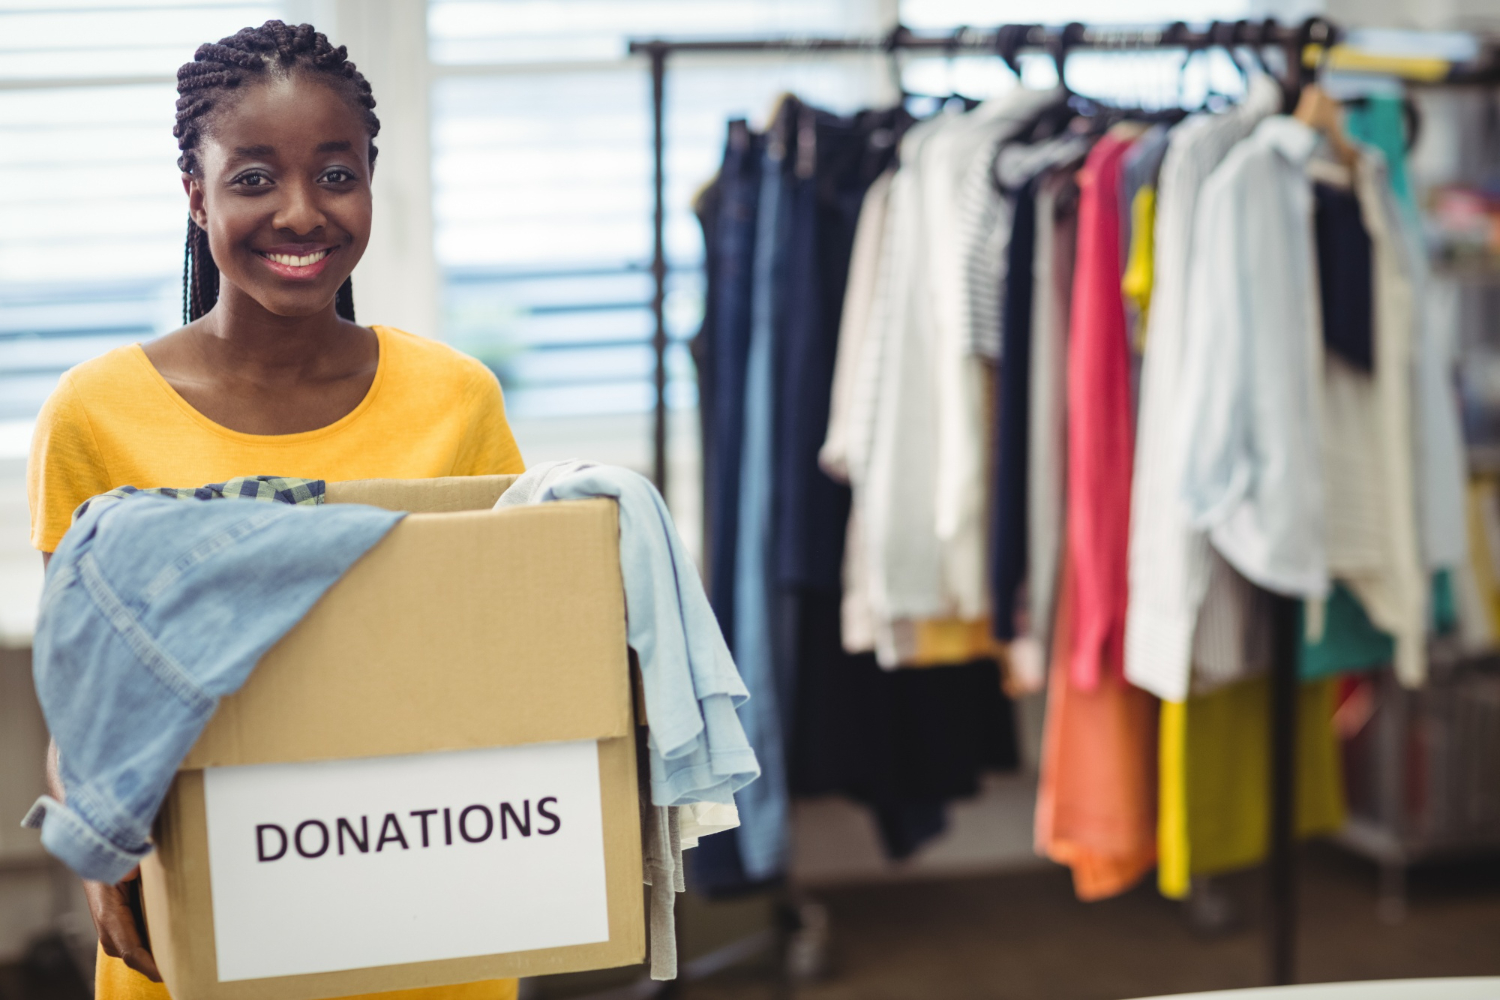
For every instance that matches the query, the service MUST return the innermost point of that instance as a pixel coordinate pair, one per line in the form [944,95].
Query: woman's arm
[109,905]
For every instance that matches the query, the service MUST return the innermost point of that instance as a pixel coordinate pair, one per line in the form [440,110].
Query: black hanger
[892,47]
[1314,31]
[1221,35]
[1055,117]
[1058,46]
[1008,41]
[1242,35]
[951,47]
[1178,33]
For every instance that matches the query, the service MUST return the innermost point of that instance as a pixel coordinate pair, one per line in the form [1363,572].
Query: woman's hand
[110,905]
[119,934]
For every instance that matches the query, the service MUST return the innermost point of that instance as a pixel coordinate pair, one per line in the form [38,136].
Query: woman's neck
[253,371]
[241,336]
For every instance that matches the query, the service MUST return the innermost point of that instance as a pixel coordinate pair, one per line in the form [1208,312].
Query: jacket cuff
[72,841]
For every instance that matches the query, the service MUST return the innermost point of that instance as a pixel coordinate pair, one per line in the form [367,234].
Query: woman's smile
[297,262]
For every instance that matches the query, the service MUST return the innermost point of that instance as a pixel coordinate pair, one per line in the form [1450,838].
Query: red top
[1101,439]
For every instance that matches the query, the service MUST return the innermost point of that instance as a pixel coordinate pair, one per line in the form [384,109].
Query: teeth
[292,260]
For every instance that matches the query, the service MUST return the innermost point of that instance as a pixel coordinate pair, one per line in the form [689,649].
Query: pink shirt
[1101,438]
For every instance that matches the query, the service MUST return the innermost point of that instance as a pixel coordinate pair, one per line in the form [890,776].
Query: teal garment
[1444,603]
[1350,642]
[1380,121]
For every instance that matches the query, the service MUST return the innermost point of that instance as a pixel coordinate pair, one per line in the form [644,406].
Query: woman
[271,375]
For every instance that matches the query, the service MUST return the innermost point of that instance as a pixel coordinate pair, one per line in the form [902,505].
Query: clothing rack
[1006,42]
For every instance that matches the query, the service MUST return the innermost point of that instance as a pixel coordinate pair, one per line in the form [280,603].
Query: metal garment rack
[1007,42]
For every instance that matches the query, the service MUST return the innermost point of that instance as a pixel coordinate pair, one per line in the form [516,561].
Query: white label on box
[349,864]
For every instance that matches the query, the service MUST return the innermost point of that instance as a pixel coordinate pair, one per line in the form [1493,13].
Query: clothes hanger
[1313,31]
[1008,41]
[1240,48]
[1055,117]
[1058,46]
[1223,34]
[1314,107]
[1178,34]
[1193,49]
[950,52]
[892,47]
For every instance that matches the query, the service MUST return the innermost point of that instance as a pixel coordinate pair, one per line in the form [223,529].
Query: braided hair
[202,85]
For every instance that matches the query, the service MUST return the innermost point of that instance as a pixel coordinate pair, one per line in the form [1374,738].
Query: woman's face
[285,193]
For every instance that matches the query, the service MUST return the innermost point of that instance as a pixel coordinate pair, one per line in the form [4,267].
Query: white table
[1483,988]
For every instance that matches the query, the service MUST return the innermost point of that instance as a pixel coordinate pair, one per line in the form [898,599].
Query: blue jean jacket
[153,610]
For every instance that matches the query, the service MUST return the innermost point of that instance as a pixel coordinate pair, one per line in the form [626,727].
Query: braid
[220,67]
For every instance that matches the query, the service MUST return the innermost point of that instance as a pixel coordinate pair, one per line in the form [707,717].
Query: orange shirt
[114,421]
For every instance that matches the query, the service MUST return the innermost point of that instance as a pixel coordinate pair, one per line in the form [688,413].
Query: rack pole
[1281,867]
[658,54]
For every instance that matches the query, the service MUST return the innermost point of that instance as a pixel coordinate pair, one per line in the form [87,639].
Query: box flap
[427,496]
[469,629]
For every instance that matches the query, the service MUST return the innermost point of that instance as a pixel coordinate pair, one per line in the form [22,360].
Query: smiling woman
[212,83]
[270,373]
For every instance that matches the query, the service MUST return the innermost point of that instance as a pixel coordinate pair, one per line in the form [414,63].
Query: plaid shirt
[277,489]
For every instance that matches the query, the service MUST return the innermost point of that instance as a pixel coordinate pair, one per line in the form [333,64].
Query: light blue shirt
[765,807]
[698,749]
[1252,377]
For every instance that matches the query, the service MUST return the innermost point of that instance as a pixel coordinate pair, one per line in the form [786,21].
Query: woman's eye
[252,180]
[338,175]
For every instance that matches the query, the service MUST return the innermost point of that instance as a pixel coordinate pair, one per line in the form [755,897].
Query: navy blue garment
[835,161]
[902,742]
[1345,276]
[706,208]
[726,345]
[1008,511]
[904,826]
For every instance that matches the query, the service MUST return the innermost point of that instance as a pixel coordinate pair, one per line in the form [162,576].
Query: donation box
[430,780]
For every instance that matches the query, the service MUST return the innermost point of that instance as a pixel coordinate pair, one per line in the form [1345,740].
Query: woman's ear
[194,188]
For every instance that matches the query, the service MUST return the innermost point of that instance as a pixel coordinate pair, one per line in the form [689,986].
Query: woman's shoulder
[96,385]
[436,364]
[429,376]
[112,371]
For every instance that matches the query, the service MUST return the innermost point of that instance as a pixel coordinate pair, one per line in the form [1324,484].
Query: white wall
[1430,15]
[1425,14]
[396,284]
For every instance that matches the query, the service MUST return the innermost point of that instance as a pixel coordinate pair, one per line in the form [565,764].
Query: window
[542,179]
[540,144]
[91,248]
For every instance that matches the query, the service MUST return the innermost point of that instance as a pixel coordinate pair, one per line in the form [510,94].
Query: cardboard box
[430,780]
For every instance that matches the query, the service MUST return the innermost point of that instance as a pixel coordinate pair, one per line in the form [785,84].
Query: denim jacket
[153,610]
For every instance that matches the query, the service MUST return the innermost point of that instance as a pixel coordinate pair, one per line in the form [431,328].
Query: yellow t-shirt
[114,421]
